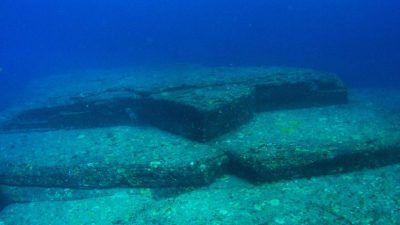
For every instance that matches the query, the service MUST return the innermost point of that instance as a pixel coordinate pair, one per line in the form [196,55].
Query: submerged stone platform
[106,157]
[274,145]
[362,197]
[199,103]
[135,151]
[318,141]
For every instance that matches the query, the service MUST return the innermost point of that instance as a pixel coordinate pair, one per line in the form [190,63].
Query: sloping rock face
[197,103]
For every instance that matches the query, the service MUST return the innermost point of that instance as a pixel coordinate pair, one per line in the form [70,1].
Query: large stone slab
[367,197]
[21,194]
[24,194]
[362,197]
[101,109]
[298,89]
[316,141]
[115,209]
[201,114]
[200,103]
[106,157]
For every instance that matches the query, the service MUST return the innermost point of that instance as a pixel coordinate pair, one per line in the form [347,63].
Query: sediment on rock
[107,157]
[316,141]
[215,102]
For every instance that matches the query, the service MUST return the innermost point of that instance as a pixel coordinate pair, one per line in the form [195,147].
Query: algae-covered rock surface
[306,142]
[200,103]
[204,113]
[363,197]
[201,145]
[23,194]
[115,209]
[106,157]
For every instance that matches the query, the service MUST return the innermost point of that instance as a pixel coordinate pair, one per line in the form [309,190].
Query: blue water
[357,39]
[337,163]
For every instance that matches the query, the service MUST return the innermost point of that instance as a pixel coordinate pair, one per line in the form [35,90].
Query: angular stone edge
[250,168]
[126,106]
[196,173]
[199,125]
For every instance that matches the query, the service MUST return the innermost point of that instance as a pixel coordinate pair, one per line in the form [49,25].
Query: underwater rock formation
[107,157]
[214,101]
[310,142]
[114,161]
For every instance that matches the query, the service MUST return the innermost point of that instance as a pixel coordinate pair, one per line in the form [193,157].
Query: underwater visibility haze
[357,39]
[199,112]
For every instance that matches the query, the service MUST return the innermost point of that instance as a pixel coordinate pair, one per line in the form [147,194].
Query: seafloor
[328,160]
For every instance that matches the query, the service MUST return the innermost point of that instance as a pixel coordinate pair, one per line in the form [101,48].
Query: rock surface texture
[213,102]
[201,145]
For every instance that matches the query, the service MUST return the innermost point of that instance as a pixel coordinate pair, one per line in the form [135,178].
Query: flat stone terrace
[220,152]
[199,103]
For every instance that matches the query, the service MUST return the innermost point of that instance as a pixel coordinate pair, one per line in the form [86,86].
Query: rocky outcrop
[214,102]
